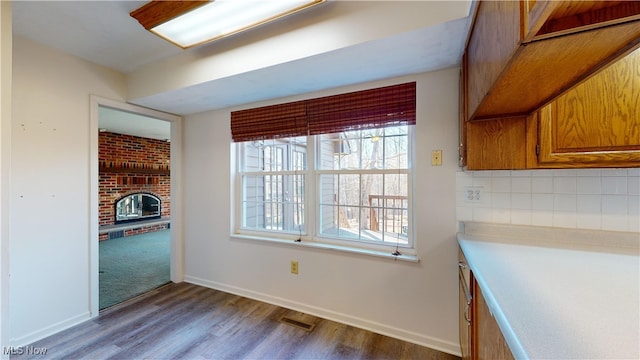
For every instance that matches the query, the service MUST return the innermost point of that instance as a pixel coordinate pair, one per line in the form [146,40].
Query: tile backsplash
[600,199]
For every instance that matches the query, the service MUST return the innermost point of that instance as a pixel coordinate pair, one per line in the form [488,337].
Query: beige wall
[50,187]
[5,143]
[416,302]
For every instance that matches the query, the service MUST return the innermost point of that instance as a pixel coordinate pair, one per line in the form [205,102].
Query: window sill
[334,247]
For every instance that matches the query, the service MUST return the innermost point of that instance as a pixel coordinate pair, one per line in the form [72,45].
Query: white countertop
[559,303]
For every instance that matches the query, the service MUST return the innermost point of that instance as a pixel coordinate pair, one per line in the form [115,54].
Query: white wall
[595,199]
[50,187]
[416,302]
[5,143]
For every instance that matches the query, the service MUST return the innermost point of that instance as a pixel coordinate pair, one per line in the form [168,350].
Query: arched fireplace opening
[138,206]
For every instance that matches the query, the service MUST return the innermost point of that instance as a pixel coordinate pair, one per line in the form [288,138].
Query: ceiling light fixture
[191,23]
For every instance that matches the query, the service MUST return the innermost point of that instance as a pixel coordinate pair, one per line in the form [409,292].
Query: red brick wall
[131,164]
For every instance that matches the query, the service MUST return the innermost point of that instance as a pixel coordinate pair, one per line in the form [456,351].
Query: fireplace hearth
[136,207]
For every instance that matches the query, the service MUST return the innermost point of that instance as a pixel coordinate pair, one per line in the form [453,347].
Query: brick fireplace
[132,165]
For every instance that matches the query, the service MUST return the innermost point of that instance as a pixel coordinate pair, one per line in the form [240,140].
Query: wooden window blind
[269,122]
[367,109]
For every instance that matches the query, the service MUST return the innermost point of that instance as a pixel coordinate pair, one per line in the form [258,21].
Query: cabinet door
[465,306]
[597,123]
[497,144]
[489,342]
[465,320]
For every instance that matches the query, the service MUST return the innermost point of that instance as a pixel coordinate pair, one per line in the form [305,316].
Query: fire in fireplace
[138,206]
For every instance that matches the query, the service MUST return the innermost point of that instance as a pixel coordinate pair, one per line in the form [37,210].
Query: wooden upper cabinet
[494,37]
[597,123]
[523,54]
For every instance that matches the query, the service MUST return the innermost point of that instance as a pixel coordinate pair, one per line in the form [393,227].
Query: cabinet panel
[496,144]
[597,122]
[489,341]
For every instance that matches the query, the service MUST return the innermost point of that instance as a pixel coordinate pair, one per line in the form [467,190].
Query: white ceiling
[104,33]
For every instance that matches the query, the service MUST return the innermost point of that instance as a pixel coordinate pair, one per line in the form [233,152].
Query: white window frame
[311,235]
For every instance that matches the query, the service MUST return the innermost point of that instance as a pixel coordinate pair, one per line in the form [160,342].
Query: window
[362,187]
[363,184]
[333,170]
[273,184]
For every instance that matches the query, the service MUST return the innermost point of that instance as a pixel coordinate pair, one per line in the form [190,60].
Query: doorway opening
[134,244]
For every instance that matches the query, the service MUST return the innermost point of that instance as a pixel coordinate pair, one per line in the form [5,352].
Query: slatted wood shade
[367,109]
[269,122]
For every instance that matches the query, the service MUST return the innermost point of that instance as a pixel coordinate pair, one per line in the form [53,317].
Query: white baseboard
[394,332]
[49,330]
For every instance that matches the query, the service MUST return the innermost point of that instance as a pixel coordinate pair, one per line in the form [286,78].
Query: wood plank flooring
[185,321]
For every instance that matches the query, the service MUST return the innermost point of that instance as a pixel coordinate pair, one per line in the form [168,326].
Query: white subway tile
[564,219]
[485,182]
[615,222]
[481,214]
[564,203]
[565,172]
[614,172]
[501,216]
[463,179]
[589,221]
[520,217]
[464,213]
[541,218]
[589,185]
[479,174]
[542,173]
[500,173]
[634,213]
[542,202]
[614,205]
[607,199]
[589,204]
[542,185]
[520,201]
[460,199]
[501,184]
[501,201]
[614,185]
[564,185]
[521,184]
[521,173]
[633,185]
[588,172]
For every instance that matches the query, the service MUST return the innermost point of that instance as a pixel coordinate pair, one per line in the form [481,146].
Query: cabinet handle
[467,318]
[462,264]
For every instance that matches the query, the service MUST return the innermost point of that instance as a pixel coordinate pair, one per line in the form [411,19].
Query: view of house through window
[359,182]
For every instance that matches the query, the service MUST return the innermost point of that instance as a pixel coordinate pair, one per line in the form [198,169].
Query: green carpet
[133,265]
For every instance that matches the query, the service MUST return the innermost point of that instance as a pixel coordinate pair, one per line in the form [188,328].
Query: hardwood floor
[185,321]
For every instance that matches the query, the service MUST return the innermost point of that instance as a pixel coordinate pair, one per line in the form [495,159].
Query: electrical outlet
[473,194]
[294,267]
[436,158]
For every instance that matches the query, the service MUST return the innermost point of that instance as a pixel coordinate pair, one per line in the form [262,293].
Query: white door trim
[177,256]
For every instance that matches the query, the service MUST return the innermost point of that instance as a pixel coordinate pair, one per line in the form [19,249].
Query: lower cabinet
[480,336]
[487,337]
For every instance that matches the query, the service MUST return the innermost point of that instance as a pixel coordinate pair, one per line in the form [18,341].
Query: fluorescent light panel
[222,18]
